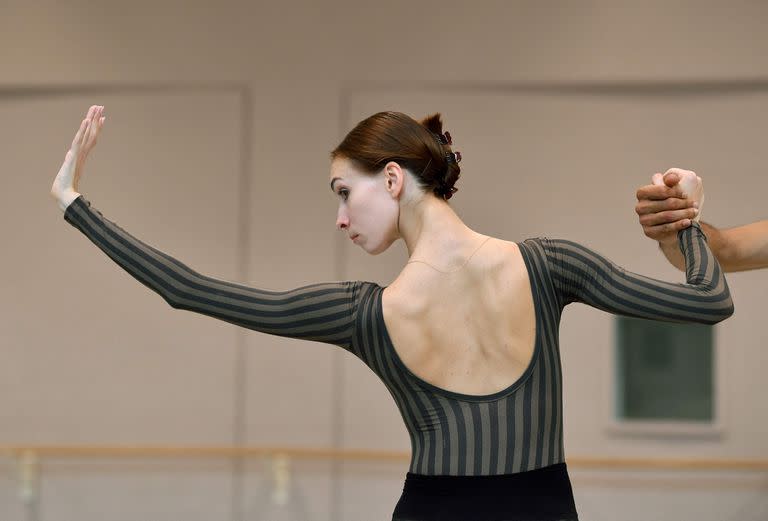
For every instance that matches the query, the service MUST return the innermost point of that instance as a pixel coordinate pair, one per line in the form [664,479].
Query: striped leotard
[516,431]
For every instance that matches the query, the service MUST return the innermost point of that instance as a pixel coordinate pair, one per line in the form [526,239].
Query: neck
[434,233]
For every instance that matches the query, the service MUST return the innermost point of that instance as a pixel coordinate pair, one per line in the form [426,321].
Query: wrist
[65,198]
[671,248]
[668,242]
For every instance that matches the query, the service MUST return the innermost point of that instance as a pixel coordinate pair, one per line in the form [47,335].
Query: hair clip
[444,138]
[445,192]
[453,157]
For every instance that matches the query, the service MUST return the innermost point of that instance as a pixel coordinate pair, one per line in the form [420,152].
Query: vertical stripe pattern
[515,430]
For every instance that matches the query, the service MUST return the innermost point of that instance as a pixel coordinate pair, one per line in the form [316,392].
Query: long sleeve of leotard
[321,312]
[581,275]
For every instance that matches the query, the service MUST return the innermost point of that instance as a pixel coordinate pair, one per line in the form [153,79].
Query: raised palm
[67,179]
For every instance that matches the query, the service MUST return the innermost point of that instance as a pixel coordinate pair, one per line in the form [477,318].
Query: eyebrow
[333,181]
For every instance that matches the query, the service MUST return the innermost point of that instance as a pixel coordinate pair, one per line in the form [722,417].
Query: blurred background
[220,120]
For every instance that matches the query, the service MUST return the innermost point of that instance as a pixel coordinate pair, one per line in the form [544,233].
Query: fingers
[652,192]
[658,192]
[671,178]
[76,142]
[98,117]
[675,176]
[665,185]
[667,217]
[95,116]
[679,171]
[647,207]
[691,185]
[664,206]
[665,231]
[89,119]
[88,125]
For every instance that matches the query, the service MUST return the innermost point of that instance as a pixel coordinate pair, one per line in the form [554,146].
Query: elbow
[723,312]
[729,310]
[172,299]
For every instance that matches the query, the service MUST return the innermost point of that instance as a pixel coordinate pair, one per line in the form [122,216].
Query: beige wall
[220,121]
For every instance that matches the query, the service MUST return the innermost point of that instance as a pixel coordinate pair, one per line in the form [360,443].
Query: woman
[465,338]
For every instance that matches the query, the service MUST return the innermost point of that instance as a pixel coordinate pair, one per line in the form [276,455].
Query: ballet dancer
[466,336]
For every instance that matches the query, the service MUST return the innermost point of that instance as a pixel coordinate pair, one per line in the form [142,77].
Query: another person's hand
[669,204]
[64,188]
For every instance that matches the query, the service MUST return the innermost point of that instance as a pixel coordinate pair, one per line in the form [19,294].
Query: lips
[353,237]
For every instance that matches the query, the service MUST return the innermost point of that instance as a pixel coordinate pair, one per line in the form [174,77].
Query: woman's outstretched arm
[320,312]
[583,275]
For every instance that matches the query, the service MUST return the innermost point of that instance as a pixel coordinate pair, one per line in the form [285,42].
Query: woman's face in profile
[367,211]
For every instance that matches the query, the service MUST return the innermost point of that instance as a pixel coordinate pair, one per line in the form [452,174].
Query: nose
[342,219]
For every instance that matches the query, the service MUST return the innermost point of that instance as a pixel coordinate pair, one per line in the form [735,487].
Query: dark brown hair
[414,145]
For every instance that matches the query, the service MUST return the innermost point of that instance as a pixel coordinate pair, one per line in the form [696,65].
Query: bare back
[471,331]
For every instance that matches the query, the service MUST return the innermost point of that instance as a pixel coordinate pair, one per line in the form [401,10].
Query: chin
[377,248]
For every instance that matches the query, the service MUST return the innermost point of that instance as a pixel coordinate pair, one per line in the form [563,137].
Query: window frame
[714,429]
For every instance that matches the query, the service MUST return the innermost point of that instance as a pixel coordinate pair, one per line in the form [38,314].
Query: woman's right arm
[320,312]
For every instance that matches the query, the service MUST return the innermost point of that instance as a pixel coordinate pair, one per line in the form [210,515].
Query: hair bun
[422,147]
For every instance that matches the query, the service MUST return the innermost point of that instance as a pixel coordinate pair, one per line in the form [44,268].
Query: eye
[344,194]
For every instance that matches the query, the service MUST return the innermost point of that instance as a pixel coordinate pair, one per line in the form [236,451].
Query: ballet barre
[323,453]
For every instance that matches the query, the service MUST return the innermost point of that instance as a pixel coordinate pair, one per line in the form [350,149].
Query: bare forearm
[737,249]
[741,248]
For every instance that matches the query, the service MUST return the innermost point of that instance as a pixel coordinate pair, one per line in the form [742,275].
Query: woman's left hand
[691,186]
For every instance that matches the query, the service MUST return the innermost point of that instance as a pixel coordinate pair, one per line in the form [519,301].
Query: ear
[394,178]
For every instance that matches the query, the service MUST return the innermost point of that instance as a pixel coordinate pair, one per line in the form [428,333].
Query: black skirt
[538,495]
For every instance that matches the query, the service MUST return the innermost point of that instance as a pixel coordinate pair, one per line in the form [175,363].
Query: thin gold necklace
[455,269]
